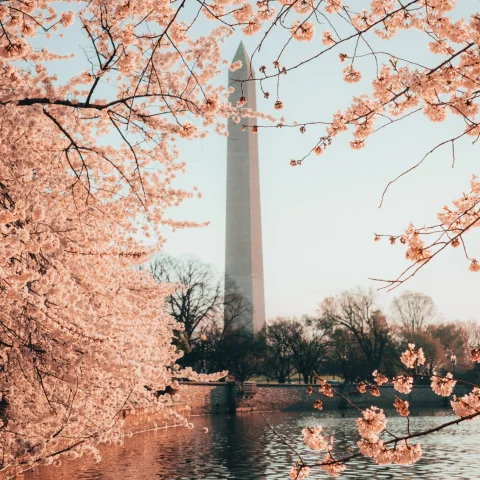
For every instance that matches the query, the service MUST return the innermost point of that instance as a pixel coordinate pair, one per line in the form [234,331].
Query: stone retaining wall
[205,398]
[208,398]
[280,397]
[295,397]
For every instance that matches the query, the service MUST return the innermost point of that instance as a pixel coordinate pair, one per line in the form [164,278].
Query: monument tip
[241,54]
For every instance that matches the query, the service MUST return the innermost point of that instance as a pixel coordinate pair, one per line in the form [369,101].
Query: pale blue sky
[319,219]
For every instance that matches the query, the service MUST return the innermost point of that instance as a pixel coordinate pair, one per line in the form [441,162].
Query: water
[243,447]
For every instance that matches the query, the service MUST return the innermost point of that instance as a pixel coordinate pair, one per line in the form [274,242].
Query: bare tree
[293,340]
[473,332]
[454,338]
[413,311]
[226,347]
[220,332]
[356,312]
[199,300]
[345,357]
[242,354]
[309,347]
[278,357]
[435,352]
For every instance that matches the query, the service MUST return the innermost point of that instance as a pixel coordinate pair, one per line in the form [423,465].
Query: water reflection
[243,447]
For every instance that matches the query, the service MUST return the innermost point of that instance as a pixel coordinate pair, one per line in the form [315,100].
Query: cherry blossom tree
[88,164]
[82,331]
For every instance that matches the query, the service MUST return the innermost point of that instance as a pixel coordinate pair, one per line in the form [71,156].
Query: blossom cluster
[401,406]
[372,423]
[331,466]
[312,437]
[325,388]
[379,378]
[474,354]
[411,357]
[403,454]
[299,472]
[403,383]
[443,385]
[468,404]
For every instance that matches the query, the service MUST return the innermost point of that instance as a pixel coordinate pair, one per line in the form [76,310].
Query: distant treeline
[349,336]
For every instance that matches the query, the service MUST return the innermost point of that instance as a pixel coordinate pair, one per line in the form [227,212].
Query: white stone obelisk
[243,242]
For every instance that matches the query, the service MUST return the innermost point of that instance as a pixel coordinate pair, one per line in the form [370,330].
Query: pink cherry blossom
[443,386]
[372,423]
[299,472]
[325,388]
[406,453]
[332,467]
[474,354]
[403,383]
[312,437]
[303,31]
[401,406]
[379,378]
[412,357]
[468,404]
[235,66]
[350,75]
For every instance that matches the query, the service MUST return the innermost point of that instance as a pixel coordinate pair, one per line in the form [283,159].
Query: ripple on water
[244,448]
